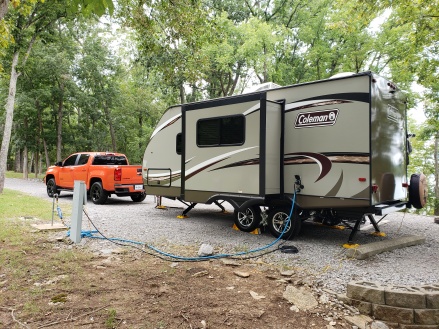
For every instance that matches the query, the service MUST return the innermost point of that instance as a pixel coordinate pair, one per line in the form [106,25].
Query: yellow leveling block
[256,231]
[351,245]
[182,216]
[378,234]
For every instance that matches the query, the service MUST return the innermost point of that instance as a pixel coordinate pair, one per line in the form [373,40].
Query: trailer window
[222,131]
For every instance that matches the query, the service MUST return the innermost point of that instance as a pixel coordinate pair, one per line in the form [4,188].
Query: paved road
[320,248]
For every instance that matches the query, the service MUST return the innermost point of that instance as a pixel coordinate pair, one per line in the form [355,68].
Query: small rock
[287,273]
[203,324]
[294,308]
[242,274]
[378,325]
[256,296]
[302,298]
[199,274]
[205,250]
[324,299]
[230,262]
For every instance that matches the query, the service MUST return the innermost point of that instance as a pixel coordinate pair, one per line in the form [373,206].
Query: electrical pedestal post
[79,200]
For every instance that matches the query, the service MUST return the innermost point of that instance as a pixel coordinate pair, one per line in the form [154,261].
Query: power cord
[171,257]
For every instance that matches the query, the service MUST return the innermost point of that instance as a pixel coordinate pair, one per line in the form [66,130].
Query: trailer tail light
[374,188]
[406,185]
[362,179]
[118,174]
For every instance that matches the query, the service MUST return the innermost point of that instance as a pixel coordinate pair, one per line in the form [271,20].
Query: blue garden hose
[89,234]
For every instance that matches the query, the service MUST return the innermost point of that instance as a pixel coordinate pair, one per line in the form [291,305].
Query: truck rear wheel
[51,188]
[138,197]
[278,223]
[98,194]
[249,219]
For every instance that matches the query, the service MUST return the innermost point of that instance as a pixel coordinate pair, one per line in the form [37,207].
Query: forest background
[79,75]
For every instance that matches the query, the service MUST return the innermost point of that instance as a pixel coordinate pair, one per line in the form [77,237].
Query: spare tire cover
[418,190]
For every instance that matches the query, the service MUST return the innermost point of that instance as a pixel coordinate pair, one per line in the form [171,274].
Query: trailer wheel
[277,219]
[138,197]
[418,190]
[98,194]
[249,219]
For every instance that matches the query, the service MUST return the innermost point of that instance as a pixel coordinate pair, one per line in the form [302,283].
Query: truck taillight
[118,174]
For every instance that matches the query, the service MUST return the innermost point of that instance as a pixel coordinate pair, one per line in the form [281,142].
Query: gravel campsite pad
[148,292]
[320,248]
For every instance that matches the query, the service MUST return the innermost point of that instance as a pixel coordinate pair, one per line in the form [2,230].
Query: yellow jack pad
[351,245]
[182,216]
[255,231]
[160,207]
[378,234]
[338,227]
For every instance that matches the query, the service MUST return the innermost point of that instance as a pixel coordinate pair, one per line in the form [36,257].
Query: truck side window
[178,143]
[70,161]
[83,159]
[223,131]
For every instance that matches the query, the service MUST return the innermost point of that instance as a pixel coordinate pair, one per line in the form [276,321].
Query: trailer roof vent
[261,87]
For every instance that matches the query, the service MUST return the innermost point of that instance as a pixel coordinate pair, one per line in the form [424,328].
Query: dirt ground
[50,283]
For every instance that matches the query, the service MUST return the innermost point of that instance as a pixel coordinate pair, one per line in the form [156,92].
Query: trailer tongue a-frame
[339,147]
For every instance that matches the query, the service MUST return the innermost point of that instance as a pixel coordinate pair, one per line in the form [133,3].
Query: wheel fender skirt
[238,202]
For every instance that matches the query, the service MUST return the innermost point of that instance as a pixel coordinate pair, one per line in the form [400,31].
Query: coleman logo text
[316,119]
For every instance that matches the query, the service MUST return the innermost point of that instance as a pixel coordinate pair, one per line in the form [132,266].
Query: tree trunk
[9,119]
[182,94]
[436,174]
[3,8]
[25,163]
[60,118]
[38,141]
[18,160]
[46,153]
[110,124]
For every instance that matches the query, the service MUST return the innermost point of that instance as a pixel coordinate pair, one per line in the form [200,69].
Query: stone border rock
[403,307]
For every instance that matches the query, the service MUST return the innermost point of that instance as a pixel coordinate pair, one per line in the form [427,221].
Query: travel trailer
[338,148]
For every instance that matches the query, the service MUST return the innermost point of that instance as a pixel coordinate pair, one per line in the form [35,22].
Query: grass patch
[17,205]
[13,174]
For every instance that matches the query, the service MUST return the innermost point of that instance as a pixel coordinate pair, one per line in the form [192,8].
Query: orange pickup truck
[103,173]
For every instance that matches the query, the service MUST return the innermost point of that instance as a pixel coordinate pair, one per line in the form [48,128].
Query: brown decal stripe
[340,158]
[249,162]
[308,157]
[171,123]
[203,168]
[323,103]
[337,186]
[172,178]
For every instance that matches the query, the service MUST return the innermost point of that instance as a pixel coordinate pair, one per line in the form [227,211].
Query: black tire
[249,219]
[51,188]
[138,197]
[97,194]
[418,191]
[277,218]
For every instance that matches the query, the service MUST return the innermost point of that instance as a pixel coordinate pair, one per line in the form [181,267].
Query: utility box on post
[79,200]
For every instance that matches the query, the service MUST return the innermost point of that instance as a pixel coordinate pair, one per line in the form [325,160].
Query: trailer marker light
[406,185]
[362,179]
[374,188]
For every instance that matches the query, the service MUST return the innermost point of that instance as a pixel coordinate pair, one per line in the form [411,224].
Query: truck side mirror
[58,164]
